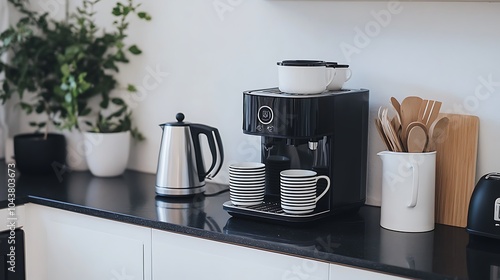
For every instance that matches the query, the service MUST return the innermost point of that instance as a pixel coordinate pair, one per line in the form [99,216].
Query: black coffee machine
[324,132]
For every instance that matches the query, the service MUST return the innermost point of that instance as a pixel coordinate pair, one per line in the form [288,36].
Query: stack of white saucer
[247,183]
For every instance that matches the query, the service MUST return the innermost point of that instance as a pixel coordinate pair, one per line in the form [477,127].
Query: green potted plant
[56,67]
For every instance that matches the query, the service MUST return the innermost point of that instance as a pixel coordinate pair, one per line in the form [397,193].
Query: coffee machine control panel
[280,115]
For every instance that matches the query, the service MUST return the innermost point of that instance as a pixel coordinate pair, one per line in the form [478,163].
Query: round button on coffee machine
[265,115]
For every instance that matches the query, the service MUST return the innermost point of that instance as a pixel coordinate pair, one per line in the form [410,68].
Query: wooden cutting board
[456,169]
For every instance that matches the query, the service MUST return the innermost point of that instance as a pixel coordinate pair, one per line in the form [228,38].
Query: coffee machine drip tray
[271,211]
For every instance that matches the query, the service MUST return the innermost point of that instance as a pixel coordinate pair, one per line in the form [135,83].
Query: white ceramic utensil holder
[408,191]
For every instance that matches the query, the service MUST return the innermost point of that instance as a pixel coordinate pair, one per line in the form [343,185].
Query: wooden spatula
[424,112]
[434,112]
[409,113]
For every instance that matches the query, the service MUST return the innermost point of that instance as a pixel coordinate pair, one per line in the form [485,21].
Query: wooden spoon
[417,139]
[437,133]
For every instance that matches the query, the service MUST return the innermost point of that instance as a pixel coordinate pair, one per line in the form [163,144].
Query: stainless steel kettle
[181,171]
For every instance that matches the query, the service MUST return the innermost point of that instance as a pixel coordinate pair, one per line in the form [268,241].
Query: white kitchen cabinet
[177,256]
[341,272]
[62,245]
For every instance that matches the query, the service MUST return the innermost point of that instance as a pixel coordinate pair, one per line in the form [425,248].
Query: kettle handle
[213,136]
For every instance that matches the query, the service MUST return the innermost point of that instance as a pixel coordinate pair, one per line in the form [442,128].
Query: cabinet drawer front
[65,245]
[177,256]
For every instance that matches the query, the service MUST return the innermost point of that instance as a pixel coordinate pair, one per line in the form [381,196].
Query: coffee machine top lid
[275,92]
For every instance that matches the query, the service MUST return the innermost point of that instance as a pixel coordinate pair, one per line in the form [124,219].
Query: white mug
[341,74]
[303,76]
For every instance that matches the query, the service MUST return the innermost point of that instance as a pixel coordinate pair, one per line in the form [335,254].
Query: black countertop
[356,240]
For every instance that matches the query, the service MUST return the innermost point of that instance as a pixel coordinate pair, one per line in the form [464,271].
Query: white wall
[434,50]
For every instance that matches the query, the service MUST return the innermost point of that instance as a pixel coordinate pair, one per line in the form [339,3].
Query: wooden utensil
[382,134]
[404,137]
[417,138]
[434,112]
[385,130]
[392,134]
[396,124]
[437,133]
[396,120]
[424,112]
[409,113]
[456,169]
[397,107]
[386,138]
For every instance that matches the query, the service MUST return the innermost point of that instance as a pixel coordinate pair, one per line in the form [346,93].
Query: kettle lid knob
[179,117]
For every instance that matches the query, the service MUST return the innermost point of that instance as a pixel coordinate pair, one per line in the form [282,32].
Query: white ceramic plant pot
[76,150]
[107,154]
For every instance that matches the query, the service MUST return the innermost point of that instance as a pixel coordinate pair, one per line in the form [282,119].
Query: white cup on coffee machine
[341,74]
[303,76]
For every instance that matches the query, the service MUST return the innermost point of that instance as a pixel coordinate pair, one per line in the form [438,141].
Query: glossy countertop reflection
[356,239]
